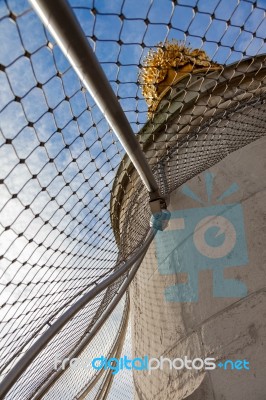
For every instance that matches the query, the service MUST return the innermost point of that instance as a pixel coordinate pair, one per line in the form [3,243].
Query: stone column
[206,144]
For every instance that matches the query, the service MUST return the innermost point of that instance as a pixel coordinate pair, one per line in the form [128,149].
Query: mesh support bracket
[157,203]
[160,214]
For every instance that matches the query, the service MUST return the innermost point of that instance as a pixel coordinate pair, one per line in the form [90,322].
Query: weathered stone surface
[220,327]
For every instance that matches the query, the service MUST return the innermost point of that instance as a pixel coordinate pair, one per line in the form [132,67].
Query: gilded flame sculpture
[168,64]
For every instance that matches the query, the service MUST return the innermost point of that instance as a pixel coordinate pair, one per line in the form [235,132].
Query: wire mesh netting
[72,206]
[80,382]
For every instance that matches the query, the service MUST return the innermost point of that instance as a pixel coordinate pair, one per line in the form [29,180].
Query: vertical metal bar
[59,18]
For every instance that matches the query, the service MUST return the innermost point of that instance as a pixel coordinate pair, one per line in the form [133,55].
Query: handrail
[60,20]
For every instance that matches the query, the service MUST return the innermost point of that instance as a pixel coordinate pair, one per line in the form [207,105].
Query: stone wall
[220,327]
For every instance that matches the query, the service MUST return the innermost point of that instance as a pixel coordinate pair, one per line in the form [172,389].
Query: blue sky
[69,154]
[226,30]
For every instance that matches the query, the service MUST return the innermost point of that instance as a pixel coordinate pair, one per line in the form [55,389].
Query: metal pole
[59,18]
[15,373]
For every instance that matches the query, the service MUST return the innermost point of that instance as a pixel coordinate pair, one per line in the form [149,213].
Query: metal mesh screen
[59,235]
[77,382]
[123,385]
